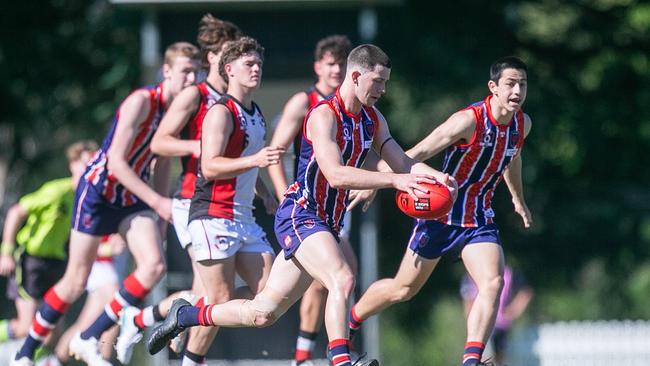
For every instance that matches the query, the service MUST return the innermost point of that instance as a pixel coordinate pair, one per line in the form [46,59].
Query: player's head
[509,82]
[241,62]
[180,66]
[79,154]
[330,58]
[212,35]
[368,69]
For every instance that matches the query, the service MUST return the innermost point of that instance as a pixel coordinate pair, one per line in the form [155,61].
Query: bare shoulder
[188,96]
[219,111]
[299,100]
[322,113]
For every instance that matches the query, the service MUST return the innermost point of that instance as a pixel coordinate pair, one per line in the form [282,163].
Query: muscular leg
[411,276]
[484,262]
[145,244]
[25,310]
[220,275]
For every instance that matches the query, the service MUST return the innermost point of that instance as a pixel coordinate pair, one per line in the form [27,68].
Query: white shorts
[347,221]
[217,238]
[103,273]
[180,216]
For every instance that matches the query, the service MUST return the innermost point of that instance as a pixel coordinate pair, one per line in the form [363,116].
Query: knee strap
[264,309]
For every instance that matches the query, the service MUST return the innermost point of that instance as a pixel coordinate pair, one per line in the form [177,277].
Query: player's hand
[7,265]
[451,184]
[163,208]
[365,195]
[410,183]
[196,149]
[269,155]
[522,209]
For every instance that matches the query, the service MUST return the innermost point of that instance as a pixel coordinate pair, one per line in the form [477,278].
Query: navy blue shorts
[294,224]
[93,215]
[432,239]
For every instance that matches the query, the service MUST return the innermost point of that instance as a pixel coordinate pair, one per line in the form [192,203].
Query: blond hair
[181,49]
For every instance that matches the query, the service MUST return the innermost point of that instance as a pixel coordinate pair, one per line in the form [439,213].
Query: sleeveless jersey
[192,131]
[139,155]
[232,198]
[478,166]
[354,137]
[315,97]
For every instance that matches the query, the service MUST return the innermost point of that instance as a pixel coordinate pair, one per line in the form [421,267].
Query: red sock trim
[200,302]
[353,314]
[53,300]
[302,355]
[139,320]
[337,342]
[475,344]
[205,315]
[134,287]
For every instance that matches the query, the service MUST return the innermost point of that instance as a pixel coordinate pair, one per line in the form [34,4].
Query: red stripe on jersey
[224,190]
[145,127]
[321,188]
[488,173]
[468,161]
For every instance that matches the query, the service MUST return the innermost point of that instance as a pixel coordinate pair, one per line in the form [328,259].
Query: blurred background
[66,64]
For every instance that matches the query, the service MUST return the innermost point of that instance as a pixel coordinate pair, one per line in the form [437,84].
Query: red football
[430,206]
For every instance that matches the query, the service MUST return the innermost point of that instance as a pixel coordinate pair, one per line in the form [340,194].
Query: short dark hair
[213,33]
[368,56]
[337,45]
[76,150]
[235,49]
[508,62]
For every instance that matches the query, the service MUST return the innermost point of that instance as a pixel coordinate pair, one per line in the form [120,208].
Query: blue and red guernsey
[315,96]
[478,166]
[139,155]
[192,131]
[232,198]
[354,136]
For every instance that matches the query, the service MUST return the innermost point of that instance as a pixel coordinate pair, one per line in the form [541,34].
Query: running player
[34,239]
[483,145]
[179,134]
[329,65]
[338,134]
[113,196]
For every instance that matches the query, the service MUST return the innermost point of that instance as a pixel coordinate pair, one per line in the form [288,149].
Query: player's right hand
[410,183]
[357,196]
[7,265]
[163,208]
[269,155]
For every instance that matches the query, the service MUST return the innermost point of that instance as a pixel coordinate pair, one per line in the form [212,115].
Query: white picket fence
[597,343]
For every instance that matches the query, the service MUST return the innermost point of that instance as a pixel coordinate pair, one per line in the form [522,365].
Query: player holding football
[483,145]
[338,134]
[329,65]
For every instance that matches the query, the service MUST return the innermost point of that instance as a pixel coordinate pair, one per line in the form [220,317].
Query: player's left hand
[522,209]
[365,195]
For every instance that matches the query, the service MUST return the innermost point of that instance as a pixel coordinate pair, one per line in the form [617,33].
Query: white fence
[598,343]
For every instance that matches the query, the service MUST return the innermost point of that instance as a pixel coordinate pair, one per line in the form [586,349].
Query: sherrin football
[430,206]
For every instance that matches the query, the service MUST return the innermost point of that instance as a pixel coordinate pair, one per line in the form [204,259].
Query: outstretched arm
[133,111]
[16,216]
[216,130]
[166,141]
[512,176]
[285,133]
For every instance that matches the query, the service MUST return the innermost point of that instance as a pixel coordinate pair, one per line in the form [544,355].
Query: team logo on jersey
[87,220]
[489,212]
[369,128]
[488,138]
[514,139]
[347,136]
[423,240]
[242,122]
[309,224]
[287,241]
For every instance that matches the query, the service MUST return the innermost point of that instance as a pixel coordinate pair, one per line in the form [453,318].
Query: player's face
[247,70]
[181,73]
[511,89]
[371,85]
[330,70]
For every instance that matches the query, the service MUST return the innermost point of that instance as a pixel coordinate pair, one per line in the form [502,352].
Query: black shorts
[34,276]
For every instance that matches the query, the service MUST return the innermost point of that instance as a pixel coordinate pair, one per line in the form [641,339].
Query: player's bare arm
[217,128]
[132,112]
[166,141]
[512,176]
[16,216]
[286,131]
[458,128]
[321,130]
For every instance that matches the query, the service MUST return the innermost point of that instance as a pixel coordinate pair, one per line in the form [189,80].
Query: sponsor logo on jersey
[287,241]
[309,224]
[488,213]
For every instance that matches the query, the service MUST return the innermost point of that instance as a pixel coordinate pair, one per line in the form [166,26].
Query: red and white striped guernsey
[354,137]
[192,131]
[478,166]
[139,155]
[232,198]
